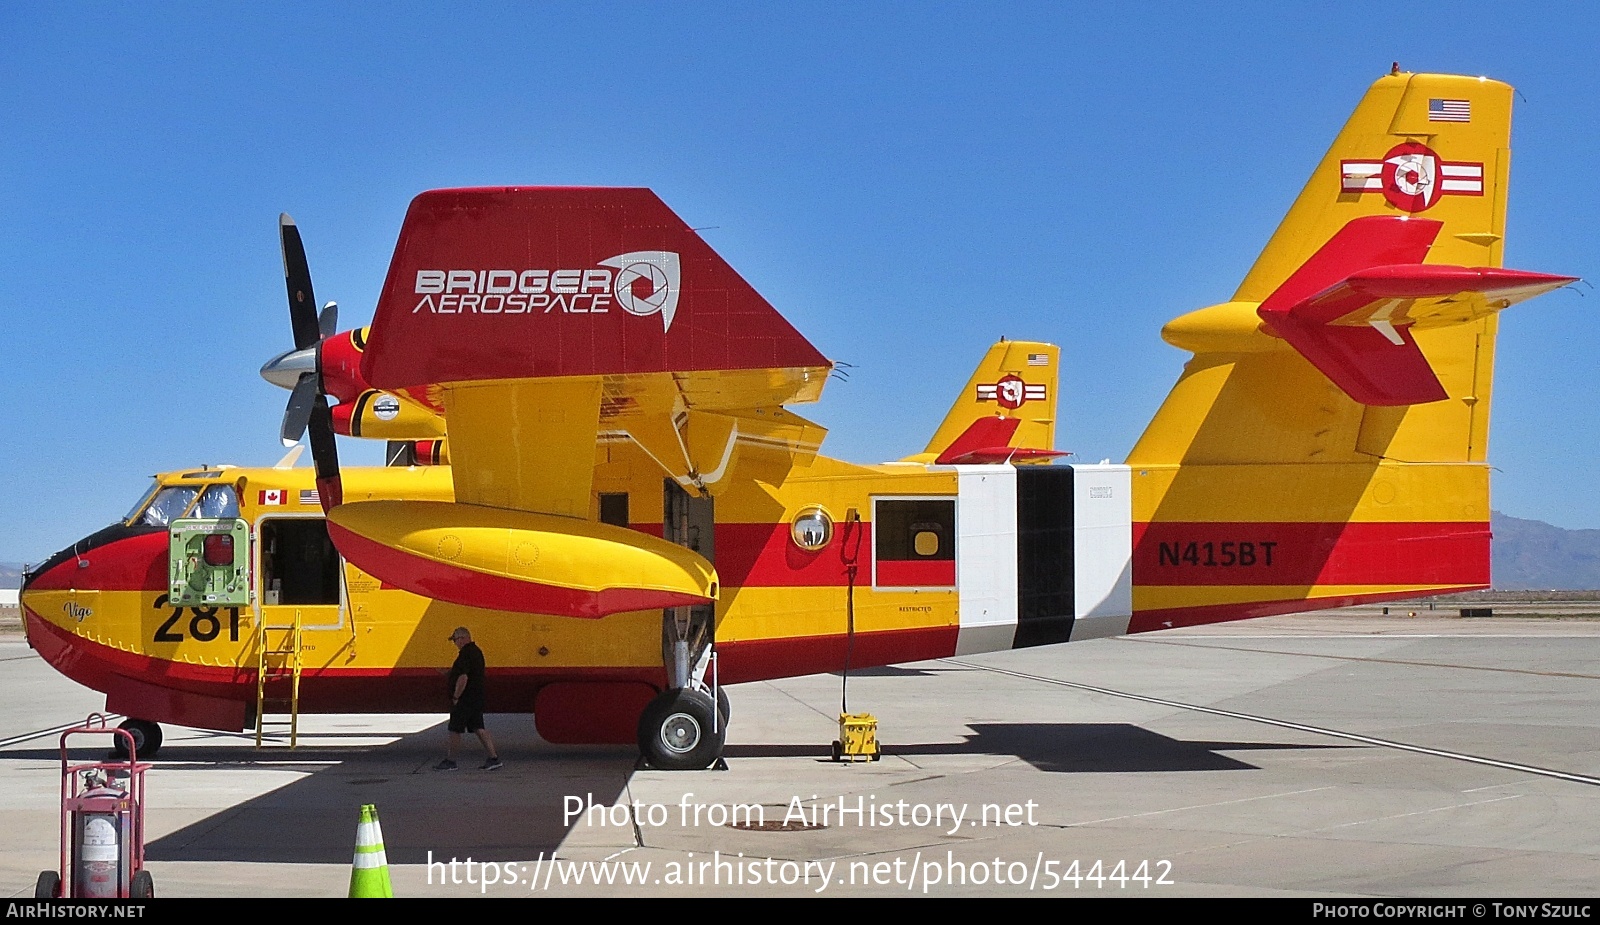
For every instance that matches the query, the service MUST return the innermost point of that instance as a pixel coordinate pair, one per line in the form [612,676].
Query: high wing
[542,322]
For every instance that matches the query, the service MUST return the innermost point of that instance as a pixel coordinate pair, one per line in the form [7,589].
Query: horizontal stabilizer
[1365,363]
[1352,309]
[987,440]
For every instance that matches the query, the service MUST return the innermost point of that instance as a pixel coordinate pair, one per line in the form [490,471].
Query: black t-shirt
[469,662]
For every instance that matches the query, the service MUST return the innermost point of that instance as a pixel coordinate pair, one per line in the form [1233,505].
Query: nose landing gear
[146,738]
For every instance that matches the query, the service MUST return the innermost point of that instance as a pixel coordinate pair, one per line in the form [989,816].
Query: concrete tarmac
[1315,755]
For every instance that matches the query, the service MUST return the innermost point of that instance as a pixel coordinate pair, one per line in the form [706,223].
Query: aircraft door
[209,562]
[687,633]
[300,575]
[208,554]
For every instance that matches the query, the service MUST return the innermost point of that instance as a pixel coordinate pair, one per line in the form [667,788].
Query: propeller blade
[297,280]
[328,321]
[298,412]
[325,455]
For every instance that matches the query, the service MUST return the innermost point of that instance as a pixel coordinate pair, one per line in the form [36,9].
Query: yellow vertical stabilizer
[1010,402]
[1424,152]
[1326,441]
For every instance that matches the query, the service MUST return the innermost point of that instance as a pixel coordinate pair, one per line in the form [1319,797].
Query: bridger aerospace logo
[641,283]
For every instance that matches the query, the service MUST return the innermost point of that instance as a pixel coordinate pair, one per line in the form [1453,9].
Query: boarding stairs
[279,661]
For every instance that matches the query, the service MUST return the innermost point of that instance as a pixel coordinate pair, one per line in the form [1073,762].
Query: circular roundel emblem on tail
[1411,176]
[1010,392]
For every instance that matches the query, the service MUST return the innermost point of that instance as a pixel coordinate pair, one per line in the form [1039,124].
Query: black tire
[838,750]
[146,738]
[143,886]
[675,731]
[48,886]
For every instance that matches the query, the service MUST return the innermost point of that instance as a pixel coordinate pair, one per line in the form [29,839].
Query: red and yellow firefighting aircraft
[631,514]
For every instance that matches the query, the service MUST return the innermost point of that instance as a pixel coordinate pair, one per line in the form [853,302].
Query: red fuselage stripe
[411,690]
[1186,554]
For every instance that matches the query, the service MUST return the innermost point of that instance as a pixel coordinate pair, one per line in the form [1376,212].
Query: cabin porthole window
[812,528]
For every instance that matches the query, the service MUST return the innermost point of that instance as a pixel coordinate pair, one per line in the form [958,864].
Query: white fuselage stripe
[986,558]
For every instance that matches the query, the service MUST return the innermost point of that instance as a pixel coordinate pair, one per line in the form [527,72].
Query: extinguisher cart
[102,825]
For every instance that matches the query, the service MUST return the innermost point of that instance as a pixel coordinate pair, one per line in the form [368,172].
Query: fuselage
[908,562]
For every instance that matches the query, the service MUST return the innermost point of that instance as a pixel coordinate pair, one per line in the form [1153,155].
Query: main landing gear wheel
[48,886]
[146,738]
[678,731]
[143,886]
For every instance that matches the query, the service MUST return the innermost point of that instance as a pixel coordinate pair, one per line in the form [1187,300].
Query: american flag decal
[1449,110]
[309,496]
[1038,359]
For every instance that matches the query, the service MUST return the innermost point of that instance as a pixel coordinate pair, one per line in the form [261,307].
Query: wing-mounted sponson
[513,560]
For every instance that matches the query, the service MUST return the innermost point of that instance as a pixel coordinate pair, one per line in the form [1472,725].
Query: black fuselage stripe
[1046,580]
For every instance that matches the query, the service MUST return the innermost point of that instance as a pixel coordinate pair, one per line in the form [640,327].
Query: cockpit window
[169,504]
[217,501]
[144,500]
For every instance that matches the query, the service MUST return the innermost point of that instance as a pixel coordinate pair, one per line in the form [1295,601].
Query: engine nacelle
[384,416]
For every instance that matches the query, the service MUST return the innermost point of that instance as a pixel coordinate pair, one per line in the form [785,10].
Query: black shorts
[466,717]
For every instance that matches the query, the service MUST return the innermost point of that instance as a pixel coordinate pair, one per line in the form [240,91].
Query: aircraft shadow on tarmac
[516,813]
[505,815]
[1068,747]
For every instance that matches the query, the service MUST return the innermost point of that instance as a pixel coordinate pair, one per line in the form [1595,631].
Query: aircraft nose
[117,558]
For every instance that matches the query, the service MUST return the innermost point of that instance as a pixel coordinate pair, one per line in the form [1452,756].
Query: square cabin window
[914,542]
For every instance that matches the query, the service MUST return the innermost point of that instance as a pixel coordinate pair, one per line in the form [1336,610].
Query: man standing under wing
[467,702]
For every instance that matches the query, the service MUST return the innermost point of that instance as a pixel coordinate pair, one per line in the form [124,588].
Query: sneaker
[492,764]
[445,765]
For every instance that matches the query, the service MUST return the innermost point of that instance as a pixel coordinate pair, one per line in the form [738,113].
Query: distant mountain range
[1528,555]
[1533,555]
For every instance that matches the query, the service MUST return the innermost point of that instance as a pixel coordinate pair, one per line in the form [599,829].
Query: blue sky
[905,182]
